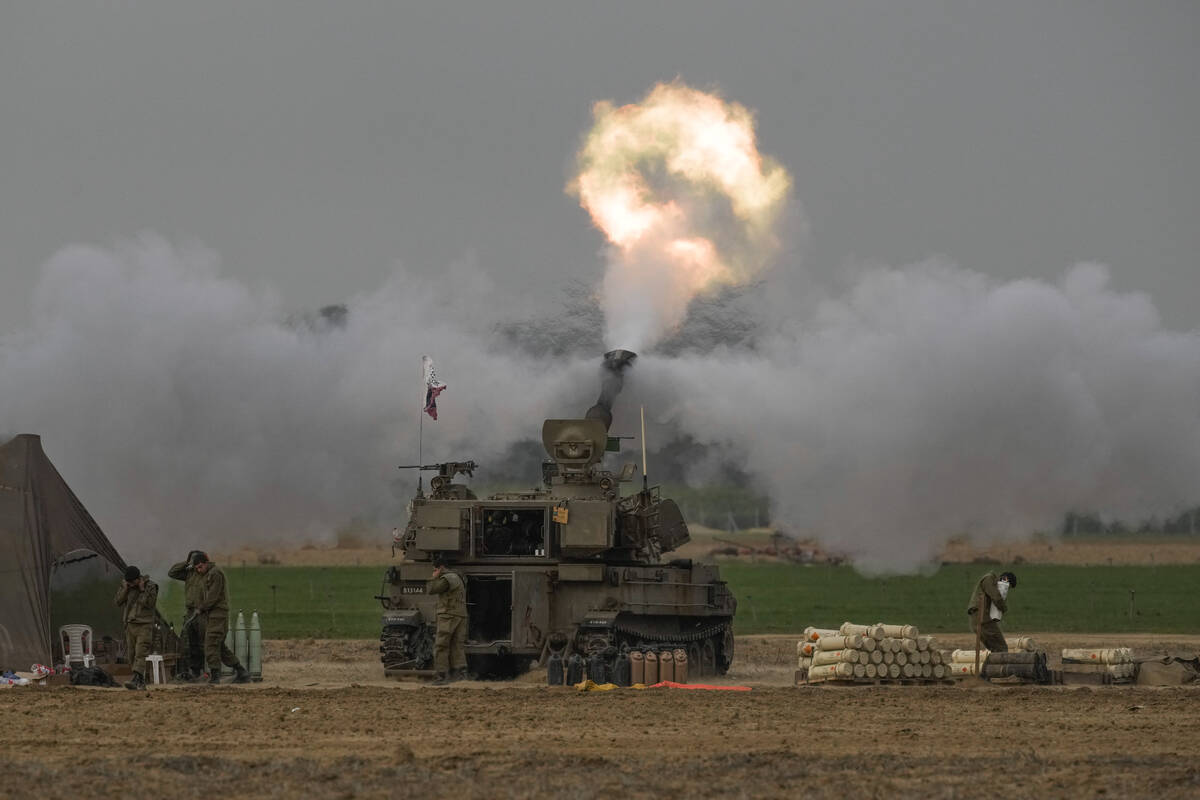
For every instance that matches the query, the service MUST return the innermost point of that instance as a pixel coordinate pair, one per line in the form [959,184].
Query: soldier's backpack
[92,676]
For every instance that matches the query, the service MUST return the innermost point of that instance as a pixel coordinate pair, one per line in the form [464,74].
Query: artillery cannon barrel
[612,379]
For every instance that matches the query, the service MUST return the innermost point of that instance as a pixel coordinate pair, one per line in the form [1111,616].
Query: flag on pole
[433,387]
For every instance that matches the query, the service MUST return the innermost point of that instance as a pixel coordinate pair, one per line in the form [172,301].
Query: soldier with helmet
[137,597]
[193,633]
[213,606]
[449,658]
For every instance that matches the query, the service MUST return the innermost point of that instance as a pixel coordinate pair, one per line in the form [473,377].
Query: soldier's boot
[460,674]
[137,682]
[240,675]
[441,680]
[214,676]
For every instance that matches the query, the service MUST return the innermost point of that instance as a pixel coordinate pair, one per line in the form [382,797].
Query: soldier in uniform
[449,660]
[214,615]
[193,634]
[990,593]
[137,597]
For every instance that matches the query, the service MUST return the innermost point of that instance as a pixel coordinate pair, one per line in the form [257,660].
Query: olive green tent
[43,527]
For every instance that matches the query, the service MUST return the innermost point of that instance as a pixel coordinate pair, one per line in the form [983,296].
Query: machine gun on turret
[442,485]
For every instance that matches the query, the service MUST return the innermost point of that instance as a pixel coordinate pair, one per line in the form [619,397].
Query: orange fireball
[677,185]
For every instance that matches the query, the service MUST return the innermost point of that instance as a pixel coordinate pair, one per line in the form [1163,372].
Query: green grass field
[317,602]
[337,602]
[783,598]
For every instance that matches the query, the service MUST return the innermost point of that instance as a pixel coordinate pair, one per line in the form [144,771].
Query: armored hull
[571,568]
[522,607]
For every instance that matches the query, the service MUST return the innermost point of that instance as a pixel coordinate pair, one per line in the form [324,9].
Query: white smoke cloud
[185,411]
[924,403]
[931,402]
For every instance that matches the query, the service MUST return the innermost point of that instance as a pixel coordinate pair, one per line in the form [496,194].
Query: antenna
[421,427]
[644,478]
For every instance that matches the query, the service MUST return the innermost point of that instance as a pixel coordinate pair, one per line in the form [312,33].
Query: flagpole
[421,428]
[645,487]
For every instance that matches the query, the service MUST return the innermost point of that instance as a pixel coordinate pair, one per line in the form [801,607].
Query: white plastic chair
[77,644]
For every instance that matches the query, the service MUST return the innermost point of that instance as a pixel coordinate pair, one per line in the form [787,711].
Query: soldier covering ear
[137,597]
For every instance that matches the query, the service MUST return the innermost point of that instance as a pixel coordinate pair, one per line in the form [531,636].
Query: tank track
[670,638]
[708,646]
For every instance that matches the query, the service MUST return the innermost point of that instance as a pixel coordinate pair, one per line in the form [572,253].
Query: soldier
[193,634]
[988,604]
[136,597]
[451,623]
[213,606]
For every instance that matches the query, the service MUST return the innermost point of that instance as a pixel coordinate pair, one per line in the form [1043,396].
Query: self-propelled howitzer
[571,567]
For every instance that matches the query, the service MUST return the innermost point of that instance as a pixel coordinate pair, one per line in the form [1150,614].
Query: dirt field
[325,724]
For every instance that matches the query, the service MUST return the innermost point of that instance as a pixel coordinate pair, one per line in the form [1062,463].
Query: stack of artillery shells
[868,653]
[830,672]
[806,648]
[812,634]
[962,662]
[842,655]
[899,631]
[1113,665]
[1110,655]
[1028,665]
[804,653]
[869,631]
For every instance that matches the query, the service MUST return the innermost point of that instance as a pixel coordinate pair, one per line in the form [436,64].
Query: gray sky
[313,145]
[360,152]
